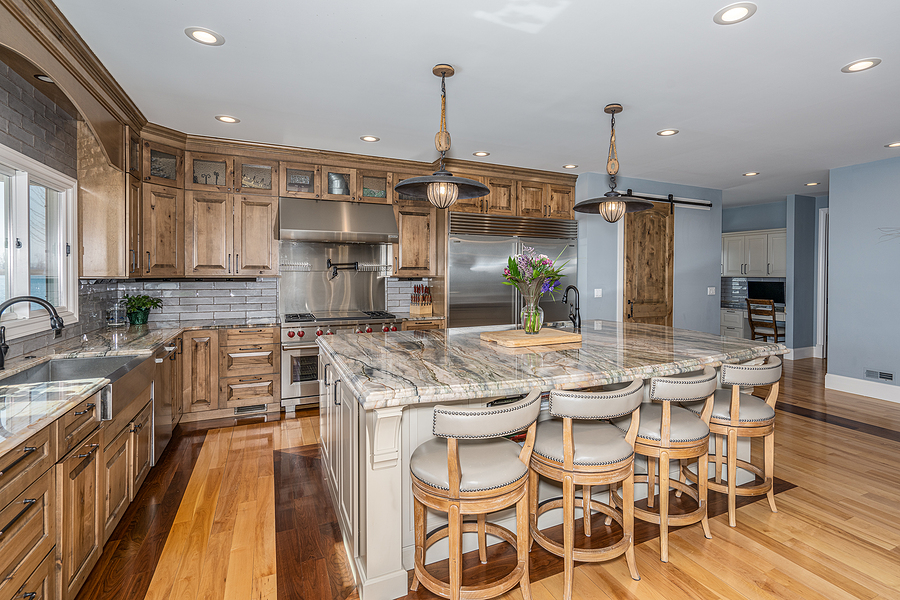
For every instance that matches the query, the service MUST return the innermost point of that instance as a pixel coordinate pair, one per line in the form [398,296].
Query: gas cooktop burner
[299,318]
[361,315]
[379,314]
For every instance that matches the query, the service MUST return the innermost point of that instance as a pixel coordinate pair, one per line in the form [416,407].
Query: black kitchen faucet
[574,309]
[56,321]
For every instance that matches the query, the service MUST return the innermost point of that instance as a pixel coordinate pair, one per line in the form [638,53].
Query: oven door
[300,373]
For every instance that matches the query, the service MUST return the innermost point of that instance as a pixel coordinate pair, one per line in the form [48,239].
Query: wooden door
[116,481]
[732,255]
[163,165]
[649,258]
[163,231]
[255,176]
[200,370]
[414,254]
[209,234]
[756,246]
[141,448]
[133,227]
[562,202]
[374,187]
[255,241]
[209,172]
[502,199]
[532,199]
[469,205]
[78,486]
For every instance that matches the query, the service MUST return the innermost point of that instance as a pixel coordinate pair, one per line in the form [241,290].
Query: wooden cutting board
[517,338]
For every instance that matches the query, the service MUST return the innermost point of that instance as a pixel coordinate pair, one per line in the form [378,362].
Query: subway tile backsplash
[398,292]
[205,300]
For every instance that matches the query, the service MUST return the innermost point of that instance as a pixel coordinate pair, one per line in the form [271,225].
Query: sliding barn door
[649,256]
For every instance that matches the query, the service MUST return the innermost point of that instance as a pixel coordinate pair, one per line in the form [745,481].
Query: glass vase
[532,316]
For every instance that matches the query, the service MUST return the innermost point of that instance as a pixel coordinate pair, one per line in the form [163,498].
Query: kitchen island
[378,391]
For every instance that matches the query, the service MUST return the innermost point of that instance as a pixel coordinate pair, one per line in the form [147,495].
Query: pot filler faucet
[575,308]
[56,321]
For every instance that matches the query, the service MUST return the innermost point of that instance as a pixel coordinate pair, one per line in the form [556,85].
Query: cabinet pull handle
[148,261]
[88,407]
[250,330]
[335,384]
[768,268]
[27,502]
[251,348]
[250,379]
[25,452]
[93,448]
[137,427]
[32,595]
[229,263]
[236,268]
[325,369]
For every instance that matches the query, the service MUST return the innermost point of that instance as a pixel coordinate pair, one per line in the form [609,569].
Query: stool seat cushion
[596,442]
[484,464]
[685,425]
[752,409]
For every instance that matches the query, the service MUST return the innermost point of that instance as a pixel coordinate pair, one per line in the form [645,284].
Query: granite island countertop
[411,367]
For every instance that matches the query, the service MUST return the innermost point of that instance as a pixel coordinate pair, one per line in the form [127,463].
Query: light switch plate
[710,291]
[598,293]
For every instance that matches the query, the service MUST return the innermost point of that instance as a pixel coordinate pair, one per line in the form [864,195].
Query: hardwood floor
[240,511]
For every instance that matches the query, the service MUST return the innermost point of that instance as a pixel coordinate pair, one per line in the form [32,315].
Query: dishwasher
[163,399]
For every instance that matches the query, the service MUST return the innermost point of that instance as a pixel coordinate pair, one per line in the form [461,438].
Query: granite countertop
[410,367]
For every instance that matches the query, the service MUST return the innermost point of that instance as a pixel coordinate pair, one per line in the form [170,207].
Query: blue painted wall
[864,268]
[772,215]
[698,243]
[800,290]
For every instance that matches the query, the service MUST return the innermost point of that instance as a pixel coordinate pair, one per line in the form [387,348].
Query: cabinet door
[133,227]
[415,251]
[338,183]
[255,242]
[756,247]
[532,199]
[177,360]
[209,172]
[209,235]
[163,231]
[374,187]
[200,371]
[133,155]
[29,533]
[469,205]
[348,436]
[401,198]
[732,255]
[116,481]
[163,165]
[777,255]
[300,180]
[562,201]
[141,449]
[255,176]
[502,199]
[79,535]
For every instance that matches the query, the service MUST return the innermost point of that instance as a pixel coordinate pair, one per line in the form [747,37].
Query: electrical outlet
[598,326]
[598,293]
[710,291]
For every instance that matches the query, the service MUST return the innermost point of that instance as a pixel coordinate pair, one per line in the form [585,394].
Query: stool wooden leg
[586,508]
[681,477]
[610,491]
[523,544]
[628,525]
[664,506]
[651,480]
[769,469]
[568,536]
[732,477]
[703,491]
[482,540]
[533,482]
[455,558]
[718,458]
[419,525]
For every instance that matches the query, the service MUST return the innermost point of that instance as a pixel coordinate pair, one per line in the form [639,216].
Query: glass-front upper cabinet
[163,165]
[300,180]
[133,154]
[212,172]
[338,183]
[374,186]
[255,176]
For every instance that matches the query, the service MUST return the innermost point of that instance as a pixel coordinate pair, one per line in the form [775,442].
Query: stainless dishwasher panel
[162,397]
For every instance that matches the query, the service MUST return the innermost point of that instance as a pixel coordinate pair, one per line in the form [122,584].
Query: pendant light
[613,205]
[441,188]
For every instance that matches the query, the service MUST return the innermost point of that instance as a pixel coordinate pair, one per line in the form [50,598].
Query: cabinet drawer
[420,325]
[253,389]
[75,425]
[21,466]
[29,532]
[735,332]
[250,359]
[42,583]
[251,336]
[732,318]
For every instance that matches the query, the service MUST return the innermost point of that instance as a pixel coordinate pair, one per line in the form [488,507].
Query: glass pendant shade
[612,210]
[442,194]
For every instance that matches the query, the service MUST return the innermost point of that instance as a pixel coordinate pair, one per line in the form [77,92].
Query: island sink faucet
[575,308]
[56,321]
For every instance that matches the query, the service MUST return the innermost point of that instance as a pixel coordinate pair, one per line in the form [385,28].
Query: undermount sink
[66,369]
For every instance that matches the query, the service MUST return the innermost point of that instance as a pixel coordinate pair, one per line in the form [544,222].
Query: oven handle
[303,350]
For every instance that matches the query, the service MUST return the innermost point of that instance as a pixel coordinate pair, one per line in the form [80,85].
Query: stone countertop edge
[390,397]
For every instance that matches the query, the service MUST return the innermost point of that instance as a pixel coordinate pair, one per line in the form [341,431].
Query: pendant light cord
[612,151]
[443,114]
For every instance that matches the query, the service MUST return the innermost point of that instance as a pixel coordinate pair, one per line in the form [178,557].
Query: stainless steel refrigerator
[479,248]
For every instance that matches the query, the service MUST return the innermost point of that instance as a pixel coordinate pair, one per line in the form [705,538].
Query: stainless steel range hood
[327,221]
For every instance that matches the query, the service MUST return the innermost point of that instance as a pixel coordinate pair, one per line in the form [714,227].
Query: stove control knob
[329,332]
[319,332]
[393,328]
[385,328]
[368,330]
[301,333]
[291,334]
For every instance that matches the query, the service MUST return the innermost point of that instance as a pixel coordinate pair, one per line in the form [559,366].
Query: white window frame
[20,319]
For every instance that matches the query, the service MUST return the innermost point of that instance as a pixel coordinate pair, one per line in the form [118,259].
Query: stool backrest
[684,387]
[749,374]
[489,421]
[606,404]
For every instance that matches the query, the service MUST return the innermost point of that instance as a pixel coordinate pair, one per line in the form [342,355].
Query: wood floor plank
[239,579]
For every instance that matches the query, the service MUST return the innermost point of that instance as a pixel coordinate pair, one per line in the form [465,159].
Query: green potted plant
[137,307]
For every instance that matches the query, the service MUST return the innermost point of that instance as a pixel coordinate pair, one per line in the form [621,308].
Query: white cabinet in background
[755,254]
[777,252]
[732,255]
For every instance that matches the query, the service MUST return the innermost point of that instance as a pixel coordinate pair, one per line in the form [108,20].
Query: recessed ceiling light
[227,119]
[570,166]
[204,36]
[44,78]
[369,138]
[667,132]
[735,13]
[481,153]
[812,183]
[893,145]
[751,173]
[863,64]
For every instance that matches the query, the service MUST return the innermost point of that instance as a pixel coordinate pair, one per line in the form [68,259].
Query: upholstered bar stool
[579,447]
[735,415]
[471,469]
[668,433]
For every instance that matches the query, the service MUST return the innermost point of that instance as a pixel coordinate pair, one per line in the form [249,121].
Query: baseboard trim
[820,350]
[872,389]
[800,353]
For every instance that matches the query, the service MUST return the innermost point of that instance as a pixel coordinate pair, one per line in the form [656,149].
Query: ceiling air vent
[882,375]
[246,410]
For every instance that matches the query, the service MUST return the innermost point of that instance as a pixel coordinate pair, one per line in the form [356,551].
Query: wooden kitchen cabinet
[338,183]
[75,425]
[162,233]
[200,371]
[300,180]
[133,227]
[469,205]
[255,176]
[532,199]
[374,187]
[29,533]
[133,153]
[250,390]
[209,233]
[209,172]
[562,202]
[502,199]
[162,165]
[414,254]
[250,359]
[255,238]
[422,325]
[116,481]
[141,435]
[79,525]
[178,383]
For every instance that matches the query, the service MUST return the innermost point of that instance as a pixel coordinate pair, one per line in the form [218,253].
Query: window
[38,221]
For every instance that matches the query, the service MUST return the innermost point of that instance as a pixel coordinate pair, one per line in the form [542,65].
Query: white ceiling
[532,77]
